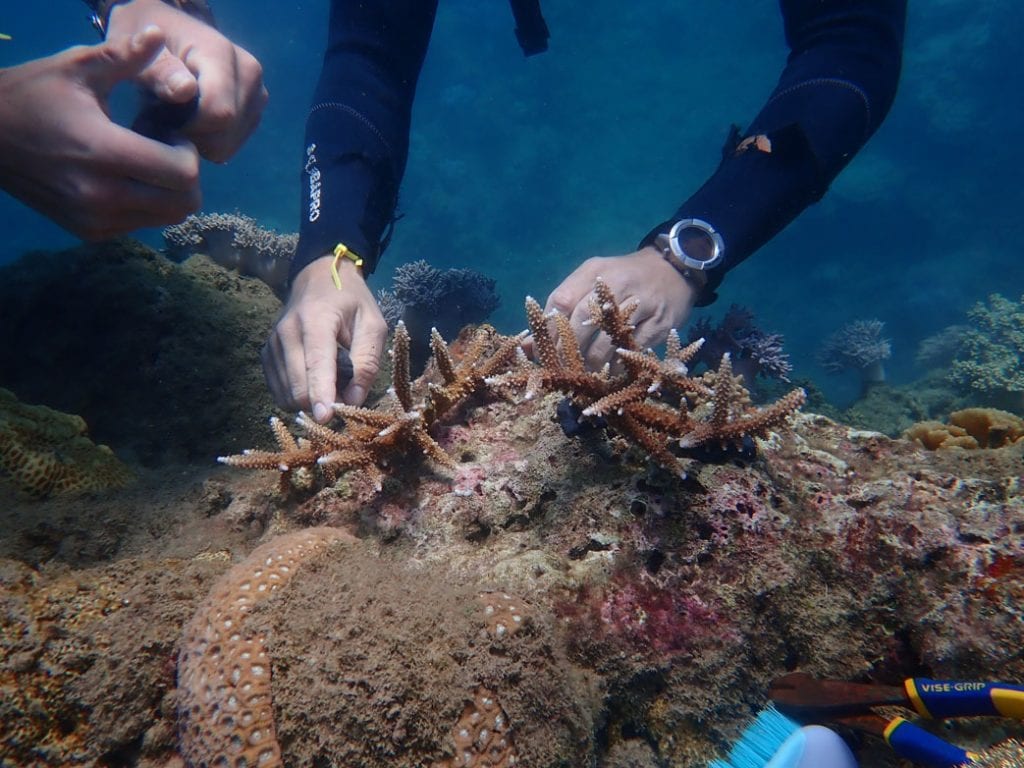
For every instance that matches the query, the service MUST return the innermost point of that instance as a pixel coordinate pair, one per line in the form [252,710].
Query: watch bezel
[671,240]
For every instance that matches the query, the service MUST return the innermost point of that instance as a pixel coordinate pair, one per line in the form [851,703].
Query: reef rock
[547,601]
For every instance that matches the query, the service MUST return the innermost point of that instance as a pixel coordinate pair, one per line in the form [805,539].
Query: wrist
[321,270]
[695,280]
[105,11]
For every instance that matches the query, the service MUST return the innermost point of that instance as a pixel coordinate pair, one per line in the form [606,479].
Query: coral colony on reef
[990,358]
[857,346]
[654,402]
[44,452]
[427,298]
[752,351]
[235,242]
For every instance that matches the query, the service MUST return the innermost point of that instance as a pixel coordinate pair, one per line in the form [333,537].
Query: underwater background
[466,573]
[522,168]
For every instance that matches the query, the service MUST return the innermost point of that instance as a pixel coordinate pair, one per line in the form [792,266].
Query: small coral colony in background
[655,403]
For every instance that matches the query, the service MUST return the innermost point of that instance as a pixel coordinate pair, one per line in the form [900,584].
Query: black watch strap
[200,9]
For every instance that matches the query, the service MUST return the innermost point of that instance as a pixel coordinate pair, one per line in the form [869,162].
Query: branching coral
[653,403]
[857,346]
[446,299]
[991,355]
[753,351]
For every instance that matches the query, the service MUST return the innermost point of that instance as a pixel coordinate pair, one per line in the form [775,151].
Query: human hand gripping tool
[836,702]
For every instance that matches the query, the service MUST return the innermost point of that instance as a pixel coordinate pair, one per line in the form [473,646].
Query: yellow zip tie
[341,251]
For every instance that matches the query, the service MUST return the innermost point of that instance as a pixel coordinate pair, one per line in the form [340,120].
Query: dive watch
[691,246]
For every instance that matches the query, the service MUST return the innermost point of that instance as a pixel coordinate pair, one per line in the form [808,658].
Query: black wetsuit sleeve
[357,132]
[838,85]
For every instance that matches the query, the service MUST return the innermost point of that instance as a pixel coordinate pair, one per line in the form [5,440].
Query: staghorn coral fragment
[733,418]
[293,456]
[652,403]
[225,715]
[606,313]
[401,380]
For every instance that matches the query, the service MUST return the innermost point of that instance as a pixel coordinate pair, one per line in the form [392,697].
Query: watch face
[696,243]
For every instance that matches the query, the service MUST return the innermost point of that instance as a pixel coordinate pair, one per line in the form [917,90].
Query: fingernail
[178,81]
[357,394]
[320,412]
[139,38]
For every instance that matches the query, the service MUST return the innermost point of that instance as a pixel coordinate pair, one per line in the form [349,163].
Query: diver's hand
[665,300]
[61,154]
[301,356]
[198,59]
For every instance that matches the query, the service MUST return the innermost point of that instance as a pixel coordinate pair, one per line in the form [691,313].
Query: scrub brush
[774,740]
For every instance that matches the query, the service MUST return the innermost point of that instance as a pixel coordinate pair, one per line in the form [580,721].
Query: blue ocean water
[522,168]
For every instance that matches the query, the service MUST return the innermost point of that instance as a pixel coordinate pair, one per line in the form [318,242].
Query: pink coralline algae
[650,617]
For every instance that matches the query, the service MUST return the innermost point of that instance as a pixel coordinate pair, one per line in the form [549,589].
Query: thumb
[123,58]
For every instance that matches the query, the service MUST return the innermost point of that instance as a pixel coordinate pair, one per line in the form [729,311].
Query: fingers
[119,59]
[573,298]
[198,58]
[275,370]
[118,151]
[367,347]
[121,152]
[317,384]
[300,360]
[284,363]
[123,182]
[169,79]
[232,98]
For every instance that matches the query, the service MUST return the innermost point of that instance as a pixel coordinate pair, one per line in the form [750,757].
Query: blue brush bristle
[760,740]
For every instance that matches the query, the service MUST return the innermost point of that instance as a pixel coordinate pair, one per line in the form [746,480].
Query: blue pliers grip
[938,699]
[839,702]
[922,747]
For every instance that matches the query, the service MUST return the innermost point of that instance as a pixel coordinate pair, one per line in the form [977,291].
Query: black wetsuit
[838,84]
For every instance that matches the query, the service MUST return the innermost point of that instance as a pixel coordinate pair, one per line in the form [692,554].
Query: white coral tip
[687,441]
